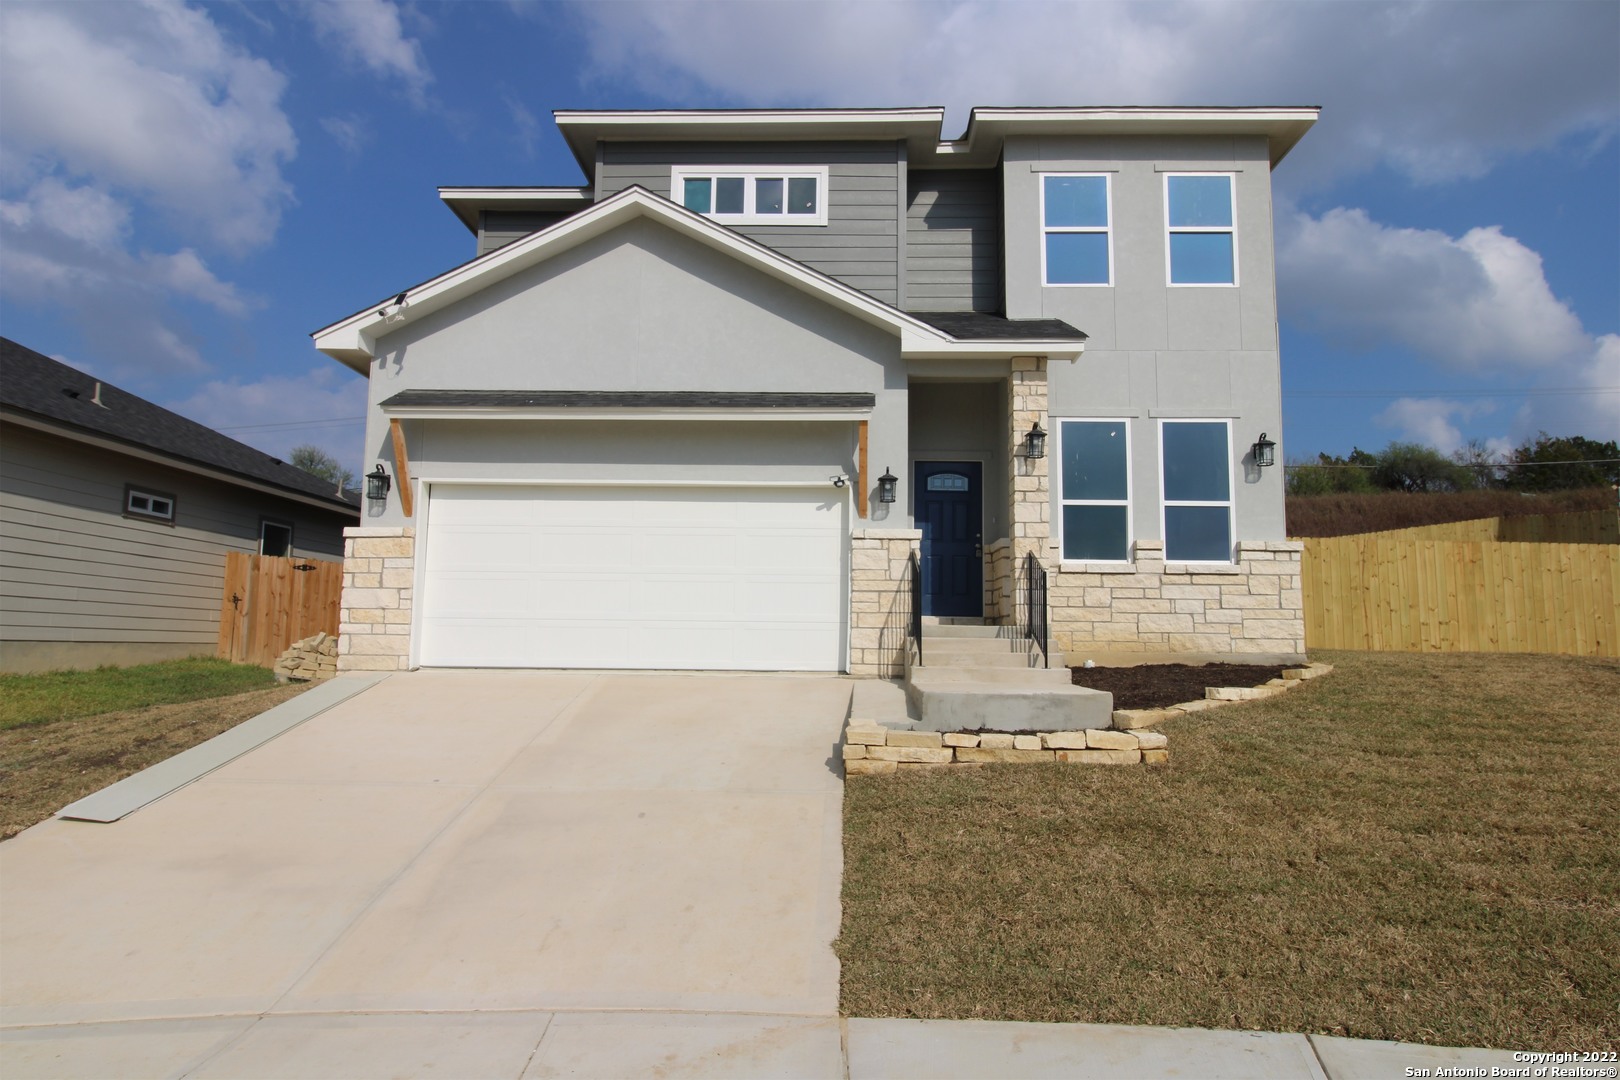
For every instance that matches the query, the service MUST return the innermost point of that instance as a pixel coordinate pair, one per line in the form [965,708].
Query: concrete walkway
[504,874]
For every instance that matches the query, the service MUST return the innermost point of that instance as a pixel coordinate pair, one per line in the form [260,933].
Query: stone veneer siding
[880,600]
[374,624]
[1253,606]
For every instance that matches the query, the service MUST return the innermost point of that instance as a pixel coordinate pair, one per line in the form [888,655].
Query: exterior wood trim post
[860,462]
[402,465]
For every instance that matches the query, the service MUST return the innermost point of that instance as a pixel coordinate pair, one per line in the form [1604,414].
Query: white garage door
[742,579]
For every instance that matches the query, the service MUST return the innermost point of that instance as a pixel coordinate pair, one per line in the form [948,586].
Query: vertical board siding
[859,243]
[1575,527]
[269,603]
[1416,595]
[497,228]
[73,568]
[953,240]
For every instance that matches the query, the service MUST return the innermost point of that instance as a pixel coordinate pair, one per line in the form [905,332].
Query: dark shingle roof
[982,326]
[36,384]
[594,399]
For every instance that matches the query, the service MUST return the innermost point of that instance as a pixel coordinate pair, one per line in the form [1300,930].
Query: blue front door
[949,513]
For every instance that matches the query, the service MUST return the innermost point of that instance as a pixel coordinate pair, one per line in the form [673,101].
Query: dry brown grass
[1418,847]
[45,766]
[1372,511]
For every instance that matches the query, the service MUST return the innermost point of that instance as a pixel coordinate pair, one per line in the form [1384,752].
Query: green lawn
[66,695]
[1416,847]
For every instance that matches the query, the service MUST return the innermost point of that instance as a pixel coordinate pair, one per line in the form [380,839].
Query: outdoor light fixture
[1265,452]
[377,484]
[1035,442]
[886,485]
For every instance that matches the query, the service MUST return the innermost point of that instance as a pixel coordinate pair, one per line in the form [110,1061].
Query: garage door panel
[535,576]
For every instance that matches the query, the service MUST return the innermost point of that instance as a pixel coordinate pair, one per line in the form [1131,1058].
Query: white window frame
[1107,230]
[1232,230]
[1129,501]
[150,499]
[1230,502]
[679,174]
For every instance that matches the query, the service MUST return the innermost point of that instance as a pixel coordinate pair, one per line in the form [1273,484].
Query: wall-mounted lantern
[377,484]
[1265,452]
[1035,442]
[886,486]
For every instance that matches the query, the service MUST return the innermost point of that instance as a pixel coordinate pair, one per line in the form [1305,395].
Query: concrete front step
[1005,699]
[970,630]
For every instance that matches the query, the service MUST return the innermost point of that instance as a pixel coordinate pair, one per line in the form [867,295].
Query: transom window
[1196,487]
[1095,489]
[1200,222]
[1077,245]
[148,504]
[754,195]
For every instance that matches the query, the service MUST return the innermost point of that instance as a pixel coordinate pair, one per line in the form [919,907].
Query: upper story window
[1201,225]
[1077,244]
[148,504]
[1196,490]
[754,195]
[1095,489]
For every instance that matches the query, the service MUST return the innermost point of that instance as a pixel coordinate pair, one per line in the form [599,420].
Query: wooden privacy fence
[269,603]
[1415,595]
[1576,527]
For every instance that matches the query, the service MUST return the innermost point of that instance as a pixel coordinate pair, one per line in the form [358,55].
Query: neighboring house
[656,422]
[115,517]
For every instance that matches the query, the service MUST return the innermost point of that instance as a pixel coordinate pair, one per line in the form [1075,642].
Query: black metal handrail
[914,623]
[1035,605]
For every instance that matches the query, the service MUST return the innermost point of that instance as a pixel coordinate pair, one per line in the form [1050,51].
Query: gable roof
[353,340]
[33,385]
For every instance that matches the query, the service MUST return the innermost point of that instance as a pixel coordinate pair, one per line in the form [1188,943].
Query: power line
[1538,391]
[296,423]
[1466,464]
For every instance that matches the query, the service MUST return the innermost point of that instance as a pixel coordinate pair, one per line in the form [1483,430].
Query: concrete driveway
[535,859]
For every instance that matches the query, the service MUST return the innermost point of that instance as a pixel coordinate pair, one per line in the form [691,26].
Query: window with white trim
[1076,240]
[1095,489]
[148,504]
[753,195]
[1201,228]
[1195,461]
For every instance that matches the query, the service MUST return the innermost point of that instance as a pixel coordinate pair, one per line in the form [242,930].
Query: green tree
[1330,474]
[317,462]
[1486,465]
[1558,464]
[1415,467]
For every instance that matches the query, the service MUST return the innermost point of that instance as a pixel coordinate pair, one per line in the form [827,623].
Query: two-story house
[703,411]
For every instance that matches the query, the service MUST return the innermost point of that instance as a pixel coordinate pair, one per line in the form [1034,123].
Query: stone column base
[379,574]
[880,600]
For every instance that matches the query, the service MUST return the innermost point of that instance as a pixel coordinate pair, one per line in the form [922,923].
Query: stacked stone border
[872,748]
[310,660]
[374,620]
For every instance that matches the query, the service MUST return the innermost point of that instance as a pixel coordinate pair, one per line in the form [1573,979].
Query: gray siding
[859,244]
[953,240]
[74,569]
[497,228]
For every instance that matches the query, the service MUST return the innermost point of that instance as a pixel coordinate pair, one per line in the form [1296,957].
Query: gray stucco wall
[641,308]
[78,578]
[859,245]
[1155,351]
[953,240]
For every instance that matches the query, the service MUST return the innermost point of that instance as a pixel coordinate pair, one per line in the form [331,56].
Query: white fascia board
[355,337]
[116,446]
[432,412]
[919,348]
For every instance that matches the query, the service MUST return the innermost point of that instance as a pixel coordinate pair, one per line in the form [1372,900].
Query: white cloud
[250,411]
[1430,420]
[147,100]
[1436,91]
[1478,302]
[369,31]
[525,127]
[349,132]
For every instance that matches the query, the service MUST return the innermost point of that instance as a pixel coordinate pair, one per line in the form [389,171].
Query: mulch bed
[1156,686]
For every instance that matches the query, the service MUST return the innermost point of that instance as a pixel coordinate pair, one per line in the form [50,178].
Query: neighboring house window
[1076,242]
[152,505]
[1196,485]
[275,538]
[753,195]
[1202,240]
[1096,489]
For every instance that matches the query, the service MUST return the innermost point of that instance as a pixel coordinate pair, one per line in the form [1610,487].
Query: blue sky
[186,191]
